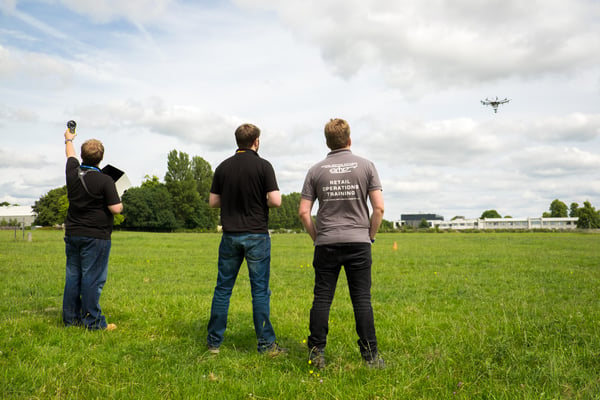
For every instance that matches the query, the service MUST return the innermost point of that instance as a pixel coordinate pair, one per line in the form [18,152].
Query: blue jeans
[256,249]
[327,262]
[87,268]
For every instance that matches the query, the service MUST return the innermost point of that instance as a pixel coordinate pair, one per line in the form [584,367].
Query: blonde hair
[92,152]
[337,133]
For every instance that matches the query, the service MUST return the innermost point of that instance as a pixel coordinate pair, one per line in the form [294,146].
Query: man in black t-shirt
[244,187]
[93,201]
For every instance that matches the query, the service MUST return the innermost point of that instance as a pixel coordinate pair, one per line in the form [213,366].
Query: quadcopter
[494,103]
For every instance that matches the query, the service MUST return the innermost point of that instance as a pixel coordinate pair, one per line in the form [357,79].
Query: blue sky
[147,77]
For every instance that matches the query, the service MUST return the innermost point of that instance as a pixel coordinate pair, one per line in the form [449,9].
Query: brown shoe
[110,327]
[274,350]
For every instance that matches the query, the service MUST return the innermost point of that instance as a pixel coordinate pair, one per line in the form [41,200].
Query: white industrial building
[508,223]
[22,214]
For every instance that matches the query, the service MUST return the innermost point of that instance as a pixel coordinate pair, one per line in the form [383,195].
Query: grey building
[414,220]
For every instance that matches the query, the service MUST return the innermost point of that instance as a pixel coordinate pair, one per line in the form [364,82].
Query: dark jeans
[256,249]
[86,272]
[327,262]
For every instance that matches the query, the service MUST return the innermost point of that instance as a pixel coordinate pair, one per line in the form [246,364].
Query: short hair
[245,135]
[337,133]
[92,152]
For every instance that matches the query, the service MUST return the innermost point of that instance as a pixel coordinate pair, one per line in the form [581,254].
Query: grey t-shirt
[341,182]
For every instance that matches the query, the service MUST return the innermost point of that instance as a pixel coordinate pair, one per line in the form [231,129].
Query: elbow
[305,217]
[379,210]
[116,208]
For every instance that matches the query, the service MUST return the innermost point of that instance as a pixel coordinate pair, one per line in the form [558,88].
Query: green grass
[458,316]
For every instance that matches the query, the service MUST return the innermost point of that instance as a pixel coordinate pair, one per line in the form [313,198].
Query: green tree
[386,226]
[558,209]
[203,175]
[573,210]
[589,218]
[424,224]
[286,216]
[490,214]
[63,207]
[149,207]
[48,208]
[150,181]
[182,187]
[189,208]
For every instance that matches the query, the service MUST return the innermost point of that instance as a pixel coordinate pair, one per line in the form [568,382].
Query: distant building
[414,220]
[22,214]
[510,223]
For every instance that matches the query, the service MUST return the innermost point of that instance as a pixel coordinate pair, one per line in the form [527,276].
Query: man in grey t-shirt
[342,235]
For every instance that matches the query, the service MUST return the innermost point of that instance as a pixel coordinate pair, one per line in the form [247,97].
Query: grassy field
[458,316]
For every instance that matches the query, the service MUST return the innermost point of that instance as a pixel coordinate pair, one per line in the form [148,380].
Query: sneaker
[213,349]
[375,363]
[274,350]
[110,327]
[316,358]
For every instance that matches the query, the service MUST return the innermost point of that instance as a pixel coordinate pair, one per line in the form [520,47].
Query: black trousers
[327,262]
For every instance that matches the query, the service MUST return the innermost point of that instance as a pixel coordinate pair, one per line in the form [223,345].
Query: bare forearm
[69,147]
[376,199]
[306,219]
[376,220]
[309,225]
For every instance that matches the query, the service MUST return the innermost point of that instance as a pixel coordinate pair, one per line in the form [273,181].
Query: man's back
[341,182]
[242,182]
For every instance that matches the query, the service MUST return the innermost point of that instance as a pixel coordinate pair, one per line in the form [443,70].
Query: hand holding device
[72,125]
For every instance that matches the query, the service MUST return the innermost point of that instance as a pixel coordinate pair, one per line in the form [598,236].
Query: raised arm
[69,147]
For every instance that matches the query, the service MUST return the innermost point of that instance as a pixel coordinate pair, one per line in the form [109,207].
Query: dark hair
[245,135]
[337,133]
[92,152]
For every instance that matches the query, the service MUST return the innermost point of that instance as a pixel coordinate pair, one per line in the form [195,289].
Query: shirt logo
[341,168]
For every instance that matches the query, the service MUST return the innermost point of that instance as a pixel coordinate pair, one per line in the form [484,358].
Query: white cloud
[23,70]
[420,47]
[576,127]
[555,162]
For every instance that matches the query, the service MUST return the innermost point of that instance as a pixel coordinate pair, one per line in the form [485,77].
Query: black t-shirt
[243,182]
[88,215]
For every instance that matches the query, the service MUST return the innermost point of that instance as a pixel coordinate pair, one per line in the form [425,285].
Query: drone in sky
[494,103]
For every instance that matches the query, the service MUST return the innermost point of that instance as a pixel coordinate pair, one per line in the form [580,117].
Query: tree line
[181,202]
[588,216]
